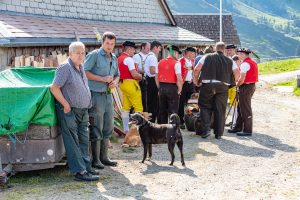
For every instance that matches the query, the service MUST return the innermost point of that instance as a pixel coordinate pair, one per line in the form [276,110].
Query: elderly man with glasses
[70,89]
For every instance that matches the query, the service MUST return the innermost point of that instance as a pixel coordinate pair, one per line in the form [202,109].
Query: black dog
[159,134]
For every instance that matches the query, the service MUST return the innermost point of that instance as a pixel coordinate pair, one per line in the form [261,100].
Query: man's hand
[108,79]
[196,82]
[67,108]
[113,84]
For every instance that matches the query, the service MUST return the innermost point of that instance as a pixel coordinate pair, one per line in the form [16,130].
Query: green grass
[280,66]
[290,83]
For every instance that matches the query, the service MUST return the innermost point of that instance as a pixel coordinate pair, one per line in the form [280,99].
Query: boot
[96,155]
[104,154]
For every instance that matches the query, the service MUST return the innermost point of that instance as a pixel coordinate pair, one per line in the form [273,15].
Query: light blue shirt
[98,63]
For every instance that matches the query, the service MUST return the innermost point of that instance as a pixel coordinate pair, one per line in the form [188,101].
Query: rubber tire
[189,121]
[197,125]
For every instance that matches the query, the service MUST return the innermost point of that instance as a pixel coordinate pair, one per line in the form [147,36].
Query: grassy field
[279,66]
[290,83]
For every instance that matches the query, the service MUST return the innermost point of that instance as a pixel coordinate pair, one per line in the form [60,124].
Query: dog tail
[174,119]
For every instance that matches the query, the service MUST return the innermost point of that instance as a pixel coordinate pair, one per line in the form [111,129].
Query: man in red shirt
[246,84]
[187,63]
[169,83]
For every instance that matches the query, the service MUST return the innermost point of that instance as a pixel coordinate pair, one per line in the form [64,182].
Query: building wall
[107,10]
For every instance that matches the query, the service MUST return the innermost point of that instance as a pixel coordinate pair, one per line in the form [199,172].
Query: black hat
[129,44]
[231,46]
[244,50]
[174,48]
[191,49]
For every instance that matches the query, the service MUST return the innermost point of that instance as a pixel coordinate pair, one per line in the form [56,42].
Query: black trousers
[245,118]
[168,101]
[152,98]
[143,86]
[187,90]
[213,99]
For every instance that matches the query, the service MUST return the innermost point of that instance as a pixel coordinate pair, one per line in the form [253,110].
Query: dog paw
[171,164]
[142,161]
[183,164]
[149,159]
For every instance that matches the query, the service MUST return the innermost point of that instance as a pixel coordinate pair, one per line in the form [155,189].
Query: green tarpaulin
[25,98]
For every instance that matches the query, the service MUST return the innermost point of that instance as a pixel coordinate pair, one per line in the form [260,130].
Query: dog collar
[143,125]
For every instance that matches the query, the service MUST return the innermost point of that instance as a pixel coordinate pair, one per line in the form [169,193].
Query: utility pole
[221,23]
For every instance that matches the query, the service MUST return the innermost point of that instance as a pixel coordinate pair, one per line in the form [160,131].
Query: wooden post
[298,81]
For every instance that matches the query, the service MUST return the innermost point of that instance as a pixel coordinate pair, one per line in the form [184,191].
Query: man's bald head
[220,46]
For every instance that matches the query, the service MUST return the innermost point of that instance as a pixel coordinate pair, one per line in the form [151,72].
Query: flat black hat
[244,50]
[128,44]
[191,49]
[231,46]
[174,48]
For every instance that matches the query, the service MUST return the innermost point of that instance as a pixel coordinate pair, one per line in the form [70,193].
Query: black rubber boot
[104,154]
[96,163]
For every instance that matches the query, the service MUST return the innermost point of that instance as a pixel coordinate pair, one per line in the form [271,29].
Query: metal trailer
[39,147]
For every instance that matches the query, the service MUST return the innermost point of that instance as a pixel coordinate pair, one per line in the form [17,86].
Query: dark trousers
[143,86]
[168,101]
[74,128]
[245,119]
[152,98]
[213,99]
[187,90]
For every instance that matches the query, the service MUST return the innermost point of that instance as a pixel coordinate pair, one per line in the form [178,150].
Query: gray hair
[75,45]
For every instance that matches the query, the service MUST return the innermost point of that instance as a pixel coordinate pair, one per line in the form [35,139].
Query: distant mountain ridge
[270,27]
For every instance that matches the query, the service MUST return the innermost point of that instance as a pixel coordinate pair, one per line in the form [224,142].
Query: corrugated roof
[28,30]
[208,25]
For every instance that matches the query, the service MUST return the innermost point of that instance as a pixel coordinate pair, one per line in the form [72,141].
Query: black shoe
[233,130]
[182,126]
[244,134]
[93,172]
[86,177]
[218,137]
[205,135]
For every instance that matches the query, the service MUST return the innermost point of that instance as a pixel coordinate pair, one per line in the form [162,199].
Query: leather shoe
[244,134]
[205,135]
[233,130]
[86,177]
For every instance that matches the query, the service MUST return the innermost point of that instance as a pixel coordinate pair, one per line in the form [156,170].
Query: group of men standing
[160,88]
[83,88]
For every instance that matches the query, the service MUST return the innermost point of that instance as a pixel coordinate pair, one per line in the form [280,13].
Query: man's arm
[55,90]
[241,79]
[196,73]
[89,63]
[179,83]
[236,74]
[156,80]
[94,77]
[244,68]
[152,70]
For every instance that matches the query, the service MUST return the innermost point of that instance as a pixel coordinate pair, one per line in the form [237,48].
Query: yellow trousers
[132,95]
[231,96]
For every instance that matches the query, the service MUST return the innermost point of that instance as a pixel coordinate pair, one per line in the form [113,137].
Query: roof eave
[168,12]
[33,42]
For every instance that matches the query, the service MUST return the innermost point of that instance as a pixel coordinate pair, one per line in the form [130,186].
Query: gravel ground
[264,166]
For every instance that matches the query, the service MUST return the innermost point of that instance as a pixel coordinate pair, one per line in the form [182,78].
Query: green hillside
[279,66]
[270,27]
